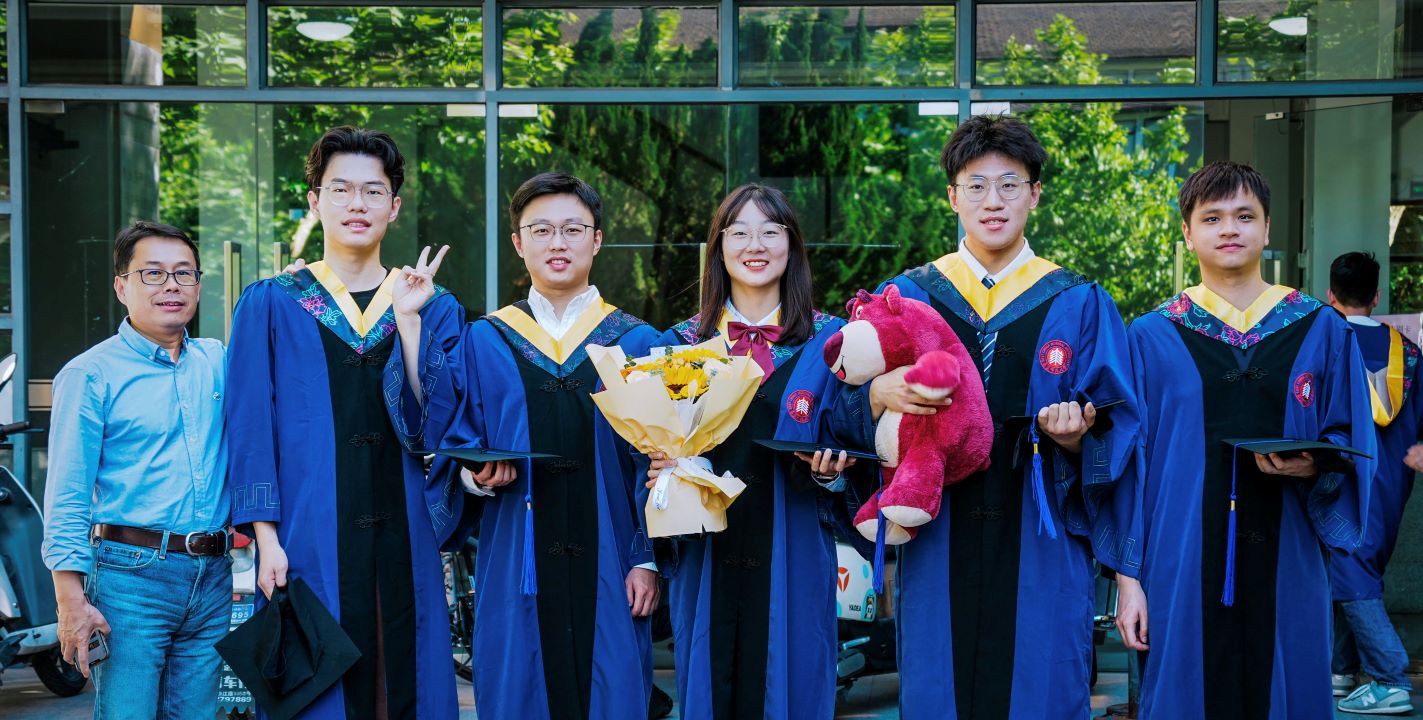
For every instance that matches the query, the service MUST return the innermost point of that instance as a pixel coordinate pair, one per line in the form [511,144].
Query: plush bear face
[885,332]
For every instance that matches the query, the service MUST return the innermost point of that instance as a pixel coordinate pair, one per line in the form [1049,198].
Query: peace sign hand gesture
[416,285]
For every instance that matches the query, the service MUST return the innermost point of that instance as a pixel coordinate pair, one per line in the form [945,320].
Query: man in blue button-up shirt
[136,503]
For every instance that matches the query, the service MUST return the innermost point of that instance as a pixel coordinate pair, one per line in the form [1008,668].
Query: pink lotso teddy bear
[920,454]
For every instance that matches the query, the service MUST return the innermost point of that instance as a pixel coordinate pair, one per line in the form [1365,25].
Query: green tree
[1108,208]
[864,178]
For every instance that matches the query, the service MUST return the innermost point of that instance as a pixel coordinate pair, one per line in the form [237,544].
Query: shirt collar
[145,347]
[1363,320]
[543,308]
[738,317]
[980,272]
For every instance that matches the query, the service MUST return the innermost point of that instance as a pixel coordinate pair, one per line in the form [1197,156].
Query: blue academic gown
[800,630]
[477,399]
[1358,575]
[1295,374]
[282,460]
[994,614]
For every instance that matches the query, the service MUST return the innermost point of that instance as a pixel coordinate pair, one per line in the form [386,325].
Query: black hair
[128,238]
[1354,279]
[987,134]
[797,308]
[552,183]
[355,141]
[1220,180]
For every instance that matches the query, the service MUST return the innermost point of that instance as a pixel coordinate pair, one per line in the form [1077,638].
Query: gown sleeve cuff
[472,487]
[408,414]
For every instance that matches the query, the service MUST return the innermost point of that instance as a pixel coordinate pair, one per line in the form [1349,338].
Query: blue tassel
[1039,492]
[1227,596]
[528,583]
[879,541]
[879,556]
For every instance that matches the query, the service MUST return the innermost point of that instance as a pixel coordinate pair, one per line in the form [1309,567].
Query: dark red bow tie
[755,340]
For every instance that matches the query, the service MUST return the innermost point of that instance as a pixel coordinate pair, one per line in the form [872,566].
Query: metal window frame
[726,91]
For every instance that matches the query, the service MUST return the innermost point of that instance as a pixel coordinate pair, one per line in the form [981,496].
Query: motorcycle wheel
[58,676]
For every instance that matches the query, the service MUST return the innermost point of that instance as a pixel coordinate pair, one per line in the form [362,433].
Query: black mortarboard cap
[473,456]
[289,652]
[1266,446]
[811,448]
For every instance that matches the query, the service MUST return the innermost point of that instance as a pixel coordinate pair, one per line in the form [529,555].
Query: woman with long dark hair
[753,606]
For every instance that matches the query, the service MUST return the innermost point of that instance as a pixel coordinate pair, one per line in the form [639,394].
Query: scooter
[865,624]
[29,623]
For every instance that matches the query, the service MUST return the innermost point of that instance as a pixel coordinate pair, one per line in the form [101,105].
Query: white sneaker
[1343,684]
[1375,699]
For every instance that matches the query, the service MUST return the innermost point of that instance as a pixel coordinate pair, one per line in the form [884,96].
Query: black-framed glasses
[155,276]
[1009,187]
[373,195]
[573,233]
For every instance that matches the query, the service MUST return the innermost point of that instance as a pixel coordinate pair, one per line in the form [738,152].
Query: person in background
[1363,635]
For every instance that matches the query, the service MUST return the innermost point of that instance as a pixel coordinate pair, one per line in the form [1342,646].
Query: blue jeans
[167,611]
[1364,635]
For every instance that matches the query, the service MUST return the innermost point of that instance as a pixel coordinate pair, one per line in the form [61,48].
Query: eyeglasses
[1009,187]
[573,233]
[154,276]
[373,195]
[738,237]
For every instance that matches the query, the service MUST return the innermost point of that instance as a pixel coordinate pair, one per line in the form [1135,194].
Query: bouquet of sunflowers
[681,401]
[685,373]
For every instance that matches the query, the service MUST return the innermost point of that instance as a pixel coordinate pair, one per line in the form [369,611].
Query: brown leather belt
[198,543]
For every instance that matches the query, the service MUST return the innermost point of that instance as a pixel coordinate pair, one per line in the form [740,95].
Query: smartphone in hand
[98,648]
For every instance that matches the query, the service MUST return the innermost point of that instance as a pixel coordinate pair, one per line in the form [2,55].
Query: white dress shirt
[981,272]
[738,317]
[555,325]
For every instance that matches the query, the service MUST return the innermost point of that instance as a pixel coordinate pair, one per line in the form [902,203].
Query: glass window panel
[1282,40]
[847,45]
[610,47]
[1405,271]
[137,44]
[1086,43]
[192,165]
[4,42]
[4,152]
[442,200]
[5,300]
[1130,159]
[863,178]
[1405,291]
[375,46]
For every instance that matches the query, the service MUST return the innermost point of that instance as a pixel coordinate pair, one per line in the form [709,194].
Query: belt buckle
[188,543]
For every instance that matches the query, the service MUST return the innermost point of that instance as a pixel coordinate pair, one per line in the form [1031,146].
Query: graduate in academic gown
[563,575]
[1232,570]
[1364,635]
[753,606]
[316,471]
[995,596]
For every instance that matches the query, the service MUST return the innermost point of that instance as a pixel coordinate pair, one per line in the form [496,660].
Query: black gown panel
[1244,392]
[741,557]
[565,507]
[377,591]
[985,525]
